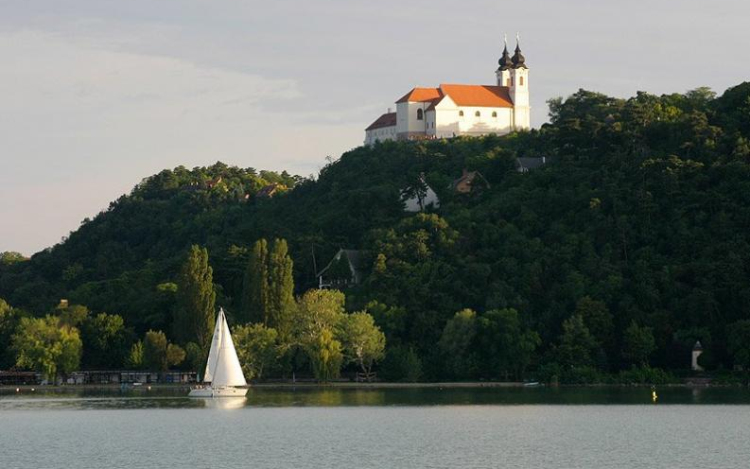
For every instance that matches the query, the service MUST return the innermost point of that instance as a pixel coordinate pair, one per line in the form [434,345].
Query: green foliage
[175,355]
[256,290]
[73,315]
[326,356]
[195,315]
[401,364]
[106,341]
[363,342]
[9,320]
[135,357]
[738,335]
[316,320]
[195,358]
[281,289]
[155,351]
[457,345]
[11,257]
[638,344]
[640,214]
[47,346]
[257,348]
[505,347]
[577,345]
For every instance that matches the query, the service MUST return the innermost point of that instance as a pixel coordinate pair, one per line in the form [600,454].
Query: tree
[73,315]
[106,341]
[638,344]
[457,344]
[576,344]
[363,342]
[195,358]
[505,346]
[195,317]
[9,321]
[325,356]
[155,351]
[255,291]
[135,357]
[12,257]
[317,310]
[175,355]
[597,318]
[44,345]
[281,289]
[257,348]
[738,343]
[317,317]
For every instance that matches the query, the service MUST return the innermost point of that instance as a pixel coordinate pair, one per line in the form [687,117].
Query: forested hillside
[630,244]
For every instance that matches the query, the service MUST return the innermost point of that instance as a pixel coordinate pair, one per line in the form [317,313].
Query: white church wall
[380,135]
[407,121]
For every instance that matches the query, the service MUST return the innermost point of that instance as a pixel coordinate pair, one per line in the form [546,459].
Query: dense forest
[630,244]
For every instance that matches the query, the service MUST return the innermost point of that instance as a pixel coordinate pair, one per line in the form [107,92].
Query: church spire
[519,61]
[505,61]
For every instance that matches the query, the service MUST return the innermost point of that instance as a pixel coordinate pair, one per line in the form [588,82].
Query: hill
[638,227]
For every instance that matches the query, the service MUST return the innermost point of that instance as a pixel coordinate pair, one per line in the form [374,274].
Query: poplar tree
[255,287]
[281,289]
[194,318]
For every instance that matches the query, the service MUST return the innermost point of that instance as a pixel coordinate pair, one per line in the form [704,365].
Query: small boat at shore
[223,376]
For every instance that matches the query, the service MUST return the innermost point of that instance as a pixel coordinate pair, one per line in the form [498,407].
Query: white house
[451,110]
[419,197]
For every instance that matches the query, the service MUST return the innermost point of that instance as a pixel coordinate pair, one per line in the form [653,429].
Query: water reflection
[224,403]
[288,396]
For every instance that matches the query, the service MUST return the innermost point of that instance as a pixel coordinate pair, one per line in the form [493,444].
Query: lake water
[378,428]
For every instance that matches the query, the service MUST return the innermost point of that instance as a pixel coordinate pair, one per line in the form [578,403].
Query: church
[451,110]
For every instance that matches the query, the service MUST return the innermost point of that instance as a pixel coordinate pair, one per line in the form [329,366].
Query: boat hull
[223,391]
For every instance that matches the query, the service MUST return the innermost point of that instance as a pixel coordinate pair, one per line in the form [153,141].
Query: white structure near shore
[451,110]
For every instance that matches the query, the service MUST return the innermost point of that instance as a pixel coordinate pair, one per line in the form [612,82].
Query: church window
[494,113]
[420,114]
[477,114]
[521,81]
[460,113]
[507,82]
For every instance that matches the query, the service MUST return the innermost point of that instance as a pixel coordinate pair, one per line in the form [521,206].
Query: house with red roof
[451,110]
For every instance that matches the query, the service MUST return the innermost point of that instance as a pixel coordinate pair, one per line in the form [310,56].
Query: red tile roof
[386,120]
[418,95]
[478,95]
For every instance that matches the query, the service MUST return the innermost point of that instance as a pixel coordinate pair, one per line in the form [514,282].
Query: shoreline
[363,386]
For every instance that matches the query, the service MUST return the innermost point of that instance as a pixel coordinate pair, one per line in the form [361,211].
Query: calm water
[387,428]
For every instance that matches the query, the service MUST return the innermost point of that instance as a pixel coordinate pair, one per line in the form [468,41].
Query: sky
[96,95]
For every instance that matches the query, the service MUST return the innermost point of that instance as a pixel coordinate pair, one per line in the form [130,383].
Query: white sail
[227,370]
[213,353]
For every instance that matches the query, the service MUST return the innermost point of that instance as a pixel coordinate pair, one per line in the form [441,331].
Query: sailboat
[223,376]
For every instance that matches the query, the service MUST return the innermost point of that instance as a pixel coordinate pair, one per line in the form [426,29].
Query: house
[266,192]
[419,197]
[210,184]
[526,163]
[470,181]
[451,110]
[345,269]
[14,377]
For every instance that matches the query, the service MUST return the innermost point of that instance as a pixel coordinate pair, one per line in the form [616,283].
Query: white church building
[453,110]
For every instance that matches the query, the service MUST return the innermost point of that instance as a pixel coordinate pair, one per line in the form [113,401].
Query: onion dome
[505,61]
[519,61]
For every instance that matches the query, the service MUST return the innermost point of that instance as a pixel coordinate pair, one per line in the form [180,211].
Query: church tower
[503,72]
[519,90]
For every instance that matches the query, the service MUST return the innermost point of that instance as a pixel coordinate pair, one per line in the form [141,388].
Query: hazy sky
[95,95]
